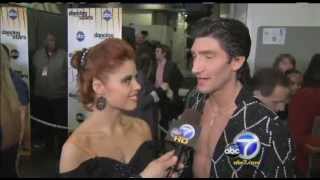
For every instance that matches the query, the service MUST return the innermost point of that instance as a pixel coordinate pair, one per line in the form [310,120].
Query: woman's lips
[134,97]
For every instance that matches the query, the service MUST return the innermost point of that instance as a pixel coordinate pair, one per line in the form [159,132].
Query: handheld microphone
[184,133]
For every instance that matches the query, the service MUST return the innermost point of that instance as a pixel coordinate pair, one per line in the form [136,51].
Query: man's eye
[128,80]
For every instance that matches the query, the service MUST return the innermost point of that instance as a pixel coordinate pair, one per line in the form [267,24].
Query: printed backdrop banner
[86,28]
[14,34]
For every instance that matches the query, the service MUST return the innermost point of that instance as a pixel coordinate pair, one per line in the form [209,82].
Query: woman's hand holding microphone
[159,168]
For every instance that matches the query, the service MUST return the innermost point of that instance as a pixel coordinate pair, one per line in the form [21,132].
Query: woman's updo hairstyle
[97,62]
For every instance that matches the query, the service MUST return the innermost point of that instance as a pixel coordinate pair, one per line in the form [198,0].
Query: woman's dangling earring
[101,103]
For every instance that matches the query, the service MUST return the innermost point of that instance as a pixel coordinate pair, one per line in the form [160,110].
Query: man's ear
[98,86]
[237,62]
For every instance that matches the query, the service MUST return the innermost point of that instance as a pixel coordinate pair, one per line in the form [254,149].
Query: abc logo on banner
[107,15]
[80,36]
[86,28]
[12,14]
[245,145]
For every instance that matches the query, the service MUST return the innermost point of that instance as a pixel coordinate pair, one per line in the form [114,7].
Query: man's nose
[196,66]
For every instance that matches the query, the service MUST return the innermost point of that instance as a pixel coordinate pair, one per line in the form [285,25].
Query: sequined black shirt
[276,155]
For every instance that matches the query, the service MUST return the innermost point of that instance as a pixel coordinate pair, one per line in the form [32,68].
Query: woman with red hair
[109,143]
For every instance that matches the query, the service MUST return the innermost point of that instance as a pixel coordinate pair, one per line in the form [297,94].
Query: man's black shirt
[276,155]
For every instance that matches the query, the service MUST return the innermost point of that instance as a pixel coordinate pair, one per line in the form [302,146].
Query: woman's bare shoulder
[77,148]
[72,154]
[140,126]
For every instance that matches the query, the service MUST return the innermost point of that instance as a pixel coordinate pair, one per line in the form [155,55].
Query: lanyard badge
[45,71]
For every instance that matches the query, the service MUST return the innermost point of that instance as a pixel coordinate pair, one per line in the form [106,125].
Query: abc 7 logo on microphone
[183,134]
[245,145]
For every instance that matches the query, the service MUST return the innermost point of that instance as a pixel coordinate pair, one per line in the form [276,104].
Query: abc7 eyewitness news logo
[183,134]
[246,146]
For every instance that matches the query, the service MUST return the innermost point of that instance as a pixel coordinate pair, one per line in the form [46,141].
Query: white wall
[294,14]
[144,19]
[239,11]
[179,43]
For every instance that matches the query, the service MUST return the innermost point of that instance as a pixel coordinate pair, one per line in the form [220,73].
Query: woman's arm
[71,157]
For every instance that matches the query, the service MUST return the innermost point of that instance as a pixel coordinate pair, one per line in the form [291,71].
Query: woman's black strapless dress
[108,167]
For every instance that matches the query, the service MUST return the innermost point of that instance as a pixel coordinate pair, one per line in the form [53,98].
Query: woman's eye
[127,80]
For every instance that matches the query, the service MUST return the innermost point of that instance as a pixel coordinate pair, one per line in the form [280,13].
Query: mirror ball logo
[14,53]
[246,145]
[107,15]
[80,36]
[12,14]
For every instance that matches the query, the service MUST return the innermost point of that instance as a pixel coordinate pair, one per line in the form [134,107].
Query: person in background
[167,80]
[49,94]
[110,143]
[303,109]
[272,88]
[231,114]
[296,80]
[145,50]
[12,123]
[147,108]
[23,94]
[128,34]
[142,39]
[284,62]
[20,86]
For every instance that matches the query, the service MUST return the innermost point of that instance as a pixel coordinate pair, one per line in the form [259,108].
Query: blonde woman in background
[12,124]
